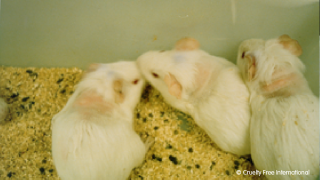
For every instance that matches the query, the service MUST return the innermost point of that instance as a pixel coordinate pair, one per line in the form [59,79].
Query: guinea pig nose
[155,75]
[135,81]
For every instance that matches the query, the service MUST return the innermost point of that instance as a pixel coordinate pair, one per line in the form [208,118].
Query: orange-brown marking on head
[92,102]
[290,44]
[187,44]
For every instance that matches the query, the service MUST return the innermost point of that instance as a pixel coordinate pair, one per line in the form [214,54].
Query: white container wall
[60,33]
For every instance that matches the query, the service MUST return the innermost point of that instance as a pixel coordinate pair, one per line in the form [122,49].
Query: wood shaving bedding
[181,150]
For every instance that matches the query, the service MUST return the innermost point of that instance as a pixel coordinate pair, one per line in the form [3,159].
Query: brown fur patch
[91,102]
[291,45]
[187,44]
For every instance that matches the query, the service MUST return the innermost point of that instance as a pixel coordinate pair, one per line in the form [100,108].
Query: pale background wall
[67,33]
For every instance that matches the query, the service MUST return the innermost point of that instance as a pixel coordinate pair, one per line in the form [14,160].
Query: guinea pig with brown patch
[207,87]
[284,126]
[93,136]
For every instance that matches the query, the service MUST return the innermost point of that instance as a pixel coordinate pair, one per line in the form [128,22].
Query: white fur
[88,143]
[219,104]
[284,128]
[4,109]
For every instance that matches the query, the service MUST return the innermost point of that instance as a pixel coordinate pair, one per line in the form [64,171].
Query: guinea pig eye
[242,56]
[155,75]
[135,81]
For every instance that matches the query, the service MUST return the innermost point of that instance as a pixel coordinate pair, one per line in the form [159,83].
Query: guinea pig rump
[98,151]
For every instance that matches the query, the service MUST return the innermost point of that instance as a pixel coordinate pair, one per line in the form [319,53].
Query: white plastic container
[63,33]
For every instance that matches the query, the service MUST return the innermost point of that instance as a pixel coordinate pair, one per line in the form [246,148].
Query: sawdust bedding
[181,150]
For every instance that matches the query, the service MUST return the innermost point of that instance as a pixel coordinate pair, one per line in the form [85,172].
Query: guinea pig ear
[290,44]
[187,44]
[175,88]
[251,61]
[278,86]
[118,91]
[91,68]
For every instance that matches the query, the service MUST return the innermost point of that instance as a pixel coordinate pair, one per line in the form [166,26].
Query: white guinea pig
[209,88]
[4,110]
[93,136]
[285,114]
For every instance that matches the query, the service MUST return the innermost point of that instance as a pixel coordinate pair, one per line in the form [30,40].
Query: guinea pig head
[270,65]
[248,52]
[117,83]
[177,74]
